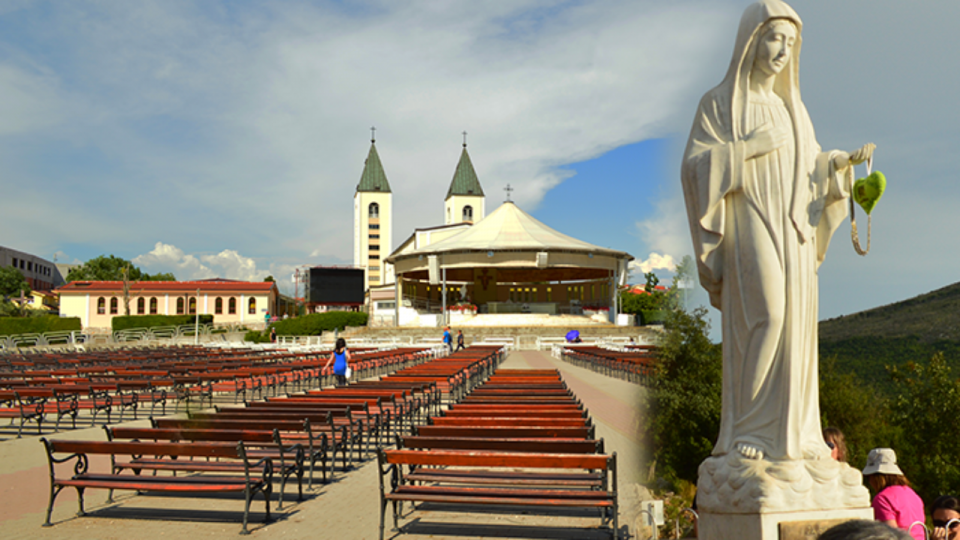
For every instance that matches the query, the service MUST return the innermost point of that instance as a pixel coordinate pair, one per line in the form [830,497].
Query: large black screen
[335,286]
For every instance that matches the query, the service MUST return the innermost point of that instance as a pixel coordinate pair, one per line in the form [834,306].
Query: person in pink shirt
[895,502]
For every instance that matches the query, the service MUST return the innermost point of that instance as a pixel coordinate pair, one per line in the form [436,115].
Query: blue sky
[226,138]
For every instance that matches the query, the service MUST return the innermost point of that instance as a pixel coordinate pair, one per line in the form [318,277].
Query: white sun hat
[883,461]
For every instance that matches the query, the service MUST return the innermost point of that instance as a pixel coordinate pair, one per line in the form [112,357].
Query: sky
[226,138]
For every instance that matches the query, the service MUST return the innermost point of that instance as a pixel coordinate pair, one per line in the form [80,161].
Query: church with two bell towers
[373,212]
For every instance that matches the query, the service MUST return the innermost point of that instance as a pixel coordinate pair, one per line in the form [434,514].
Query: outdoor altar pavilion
[509,263]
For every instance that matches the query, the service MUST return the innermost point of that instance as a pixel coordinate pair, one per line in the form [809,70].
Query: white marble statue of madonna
[763,201]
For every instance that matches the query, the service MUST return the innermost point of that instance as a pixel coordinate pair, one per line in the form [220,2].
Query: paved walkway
[346,509]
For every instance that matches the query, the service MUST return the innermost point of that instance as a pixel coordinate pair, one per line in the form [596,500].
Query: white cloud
[255,124]
[655,261]
[228,264]
[666,230]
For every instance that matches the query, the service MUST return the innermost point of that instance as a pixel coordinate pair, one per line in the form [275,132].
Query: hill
[915,329]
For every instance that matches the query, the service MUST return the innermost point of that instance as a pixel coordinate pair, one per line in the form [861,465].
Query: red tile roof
[77,287]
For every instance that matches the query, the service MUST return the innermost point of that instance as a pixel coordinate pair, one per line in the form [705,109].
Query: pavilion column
[398,297]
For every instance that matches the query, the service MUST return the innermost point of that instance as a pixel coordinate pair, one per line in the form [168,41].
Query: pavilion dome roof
[509,228]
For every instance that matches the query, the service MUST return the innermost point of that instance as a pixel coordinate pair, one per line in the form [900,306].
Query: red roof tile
[77,287]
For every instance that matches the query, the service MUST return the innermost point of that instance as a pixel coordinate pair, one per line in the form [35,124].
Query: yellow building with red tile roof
[229,301]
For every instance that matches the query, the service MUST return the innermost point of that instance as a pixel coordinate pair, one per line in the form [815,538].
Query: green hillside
[892,335]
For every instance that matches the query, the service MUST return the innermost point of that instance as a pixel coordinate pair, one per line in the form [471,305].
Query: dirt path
[345,509]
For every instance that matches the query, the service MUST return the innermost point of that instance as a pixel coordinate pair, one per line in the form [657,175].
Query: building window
[113,306]
[373,236]
[549,294]
[374,257]
[468,213]
[14,262]
[375,226]
[153,306]
[141,305]
[193,305]
[29,266]
[101,306]
[232,306]
[218,306]
[179,306]
[374,210]
[253,307]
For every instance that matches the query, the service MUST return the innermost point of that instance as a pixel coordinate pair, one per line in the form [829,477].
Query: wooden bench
[26,405]
[538,487]
[288,459]
[256,478]
[316,444]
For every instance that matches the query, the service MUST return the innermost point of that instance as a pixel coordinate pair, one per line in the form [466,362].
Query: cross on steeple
[508,189]
[464,139]
[373,134]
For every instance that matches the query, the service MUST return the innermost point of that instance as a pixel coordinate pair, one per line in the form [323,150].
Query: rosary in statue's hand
[860,155]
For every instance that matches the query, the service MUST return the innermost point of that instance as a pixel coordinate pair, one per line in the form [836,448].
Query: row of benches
[520,439]
[282,437]
[635,363]
[128,389]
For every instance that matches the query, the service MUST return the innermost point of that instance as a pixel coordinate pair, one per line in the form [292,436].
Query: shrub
[317,323]
[255,336]
[126,322]
[38,325]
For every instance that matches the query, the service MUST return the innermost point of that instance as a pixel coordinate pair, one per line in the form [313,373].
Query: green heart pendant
[867,191]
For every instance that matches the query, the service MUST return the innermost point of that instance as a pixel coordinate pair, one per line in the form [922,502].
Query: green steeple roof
[465,180]
[373,177]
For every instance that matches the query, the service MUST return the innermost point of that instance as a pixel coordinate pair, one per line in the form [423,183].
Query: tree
[842,399]
[685,396]
[270,279]
[110,268]
[926,407]
[12,282]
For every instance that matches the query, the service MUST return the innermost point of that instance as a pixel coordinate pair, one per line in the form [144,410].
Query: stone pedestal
[802,525]
[761,499]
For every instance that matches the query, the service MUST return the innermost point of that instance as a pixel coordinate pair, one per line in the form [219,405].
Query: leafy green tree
[926,407]
[855,408]
[685,395]
[12,282]
[110,268]
[269,279]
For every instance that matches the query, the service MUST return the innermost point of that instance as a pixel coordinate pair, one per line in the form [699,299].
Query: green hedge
[317,323]
[652,317]
[126,322]
[37,325]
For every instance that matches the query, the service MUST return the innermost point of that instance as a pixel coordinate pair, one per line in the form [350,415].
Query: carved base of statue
[749,499]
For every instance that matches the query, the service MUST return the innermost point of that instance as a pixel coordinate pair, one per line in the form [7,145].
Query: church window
[113,306]
[468,213]
[374,210]
[193,305]
[153,306]
[101,306]
[218,306]
[232,306]
[253,307]
[179,306]
[141,305]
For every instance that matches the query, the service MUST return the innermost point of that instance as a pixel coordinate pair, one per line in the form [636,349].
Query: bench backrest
[454,458]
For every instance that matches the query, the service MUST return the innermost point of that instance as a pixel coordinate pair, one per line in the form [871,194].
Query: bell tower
[372,219]
[465,199]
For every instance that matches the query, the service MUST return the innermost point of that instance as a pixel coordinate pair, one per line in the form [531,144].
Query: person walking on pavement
[447,340]
[460,340]
[341,359]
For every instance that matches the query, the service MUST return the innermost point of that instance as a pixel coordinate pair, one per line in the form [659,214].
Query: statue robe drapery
[760,229]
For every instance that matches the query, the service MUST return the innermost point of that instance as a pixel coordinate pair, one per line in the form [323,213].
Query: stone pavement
[346,509]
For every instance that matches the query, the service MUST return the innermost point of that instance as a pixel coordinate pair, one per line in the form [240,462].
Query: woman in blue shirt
[340,358]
